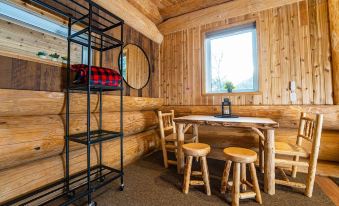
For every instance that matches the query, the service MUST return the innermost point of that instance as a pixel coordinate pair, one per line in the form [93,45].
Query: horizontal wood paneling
[294,45]
[25,139]
[33,103]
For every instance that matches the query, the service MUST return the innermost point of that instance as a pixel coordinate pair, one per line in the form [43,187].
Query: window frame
[47,23]
[207,32]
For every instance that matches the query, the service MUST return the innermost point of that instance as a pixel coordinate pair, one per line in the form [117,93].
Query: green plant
[55,55]
[41,53]
[229,86]
[64,58]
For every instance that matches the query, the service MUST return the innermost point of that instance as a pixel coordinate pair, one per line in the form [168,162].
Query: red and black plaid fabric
[99,75]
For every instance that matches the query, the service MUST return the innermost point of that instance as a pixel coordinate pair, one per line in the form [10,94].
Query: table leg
[180,160]
[195,132]
[269,163]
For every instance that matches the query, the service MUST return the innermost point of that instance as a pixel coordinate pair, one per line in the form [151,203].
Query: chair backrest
[310,130]
[166,122]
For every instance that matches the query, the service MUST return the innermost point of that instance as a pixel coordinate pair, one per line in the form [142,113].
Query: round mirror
[135,66]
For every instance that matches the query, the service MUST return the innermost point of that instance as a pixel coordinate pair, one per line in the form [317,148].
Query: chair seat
[240,155]
[284,148]
[196,149]
[188,138]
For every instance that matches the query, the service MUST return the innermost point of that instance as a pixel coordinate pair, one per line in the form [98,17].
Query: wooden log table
[260,125]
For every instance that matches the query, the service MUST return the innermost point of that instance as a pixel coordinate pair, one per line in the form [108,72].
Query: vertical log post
[333,6]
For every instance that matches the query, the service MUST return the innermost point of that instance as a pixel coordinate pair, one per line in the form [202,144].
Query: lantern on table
[226,109]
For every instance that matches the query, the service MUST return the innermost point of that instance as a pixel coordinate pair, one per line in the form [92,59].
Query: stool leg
[236,184]
[205,175]
[243,177]
[225,176]
[187,175]
[255,183]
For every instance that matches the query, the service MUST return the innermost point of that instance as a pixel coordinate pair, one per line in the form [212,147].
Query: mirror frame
[149,66]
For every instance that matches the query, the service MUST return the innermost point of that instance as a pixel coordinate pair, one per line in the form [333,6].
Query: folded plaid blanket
[99,75]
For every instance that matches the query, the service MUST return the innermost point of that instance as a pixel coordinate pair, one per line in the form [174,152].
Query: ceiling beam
[148,8]
[188,6]
[218,13]
[133,17]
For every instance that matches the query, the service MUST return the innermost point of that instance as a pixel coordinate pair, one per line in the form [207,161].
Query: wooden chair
[169,142]
[240,157]
[309,130]
[198,150]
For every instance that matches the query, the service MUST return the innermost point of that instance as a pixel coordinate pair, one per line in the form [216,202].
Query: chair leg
[205,175]
[164,153]
[243,177]
[295,168]
[225,176]
[255,183]
[236,184]
[187,175]
[310,179]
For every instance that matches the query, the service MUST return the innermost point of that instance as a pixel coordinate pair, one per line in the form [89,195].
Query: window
[18,15]
[231,56]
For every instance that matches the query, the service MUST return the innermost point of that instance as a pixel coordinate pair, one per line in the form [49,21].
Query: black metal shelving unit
[96,22]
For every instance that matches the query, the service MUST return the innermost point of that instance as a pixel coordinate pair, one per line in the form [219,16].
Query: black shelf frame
[77,187]
[95,22]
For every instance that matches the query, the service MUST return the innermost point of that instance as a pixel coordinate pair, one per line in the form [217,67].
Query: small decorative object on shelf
[64,60]
[226,109]
[229,86]
[42,54]
[54,57]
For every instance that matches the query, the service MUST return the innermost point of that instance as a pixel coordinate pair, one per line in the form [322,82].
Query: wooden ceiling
[161,10]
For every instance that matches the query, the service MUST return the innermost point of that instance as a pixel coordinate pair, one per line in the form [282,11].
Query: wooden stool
[196,150]
[240,156]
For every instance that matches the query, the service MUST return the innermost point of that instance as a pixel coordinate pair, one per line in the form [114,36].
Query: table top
[258,122]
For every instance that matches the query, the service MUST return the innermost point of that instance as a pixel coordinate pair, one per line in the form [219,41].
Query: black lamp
[226,109]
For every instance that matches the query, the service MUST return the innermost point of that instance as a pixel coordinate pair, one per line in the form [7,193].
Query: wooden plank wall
[16,40]
[131,36]
[20,69]
[294,45]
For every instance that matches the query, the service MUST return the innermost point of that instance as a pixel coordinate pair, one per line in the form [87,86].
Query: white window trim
[231,30]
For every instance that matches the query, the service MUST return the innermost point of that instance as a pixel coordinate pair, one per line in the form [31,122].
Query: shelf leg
[121,119]
[89,59]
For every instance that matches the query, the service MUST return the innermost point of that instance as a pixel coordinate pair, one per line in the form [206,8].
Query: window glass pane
[232,57]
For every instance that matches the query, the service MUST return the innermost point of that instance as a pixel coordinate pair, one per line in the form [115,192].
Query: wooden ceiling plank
[187,6]
[219,12]
[148,8]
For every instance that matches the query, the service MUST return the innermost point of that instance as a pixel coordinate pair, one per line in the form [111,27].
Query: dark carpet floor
[149,183]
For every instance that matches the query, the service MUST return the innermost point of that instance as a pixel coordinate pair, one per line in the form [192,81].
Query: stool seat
[240,155]
[196,149]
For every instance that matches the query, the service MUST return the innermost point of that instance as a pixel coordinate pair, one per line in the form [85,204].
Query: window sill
[232,94]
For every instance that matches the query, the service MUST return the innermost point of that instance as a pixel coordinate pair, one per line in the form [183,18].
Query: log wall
[294,45]
[32,130]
